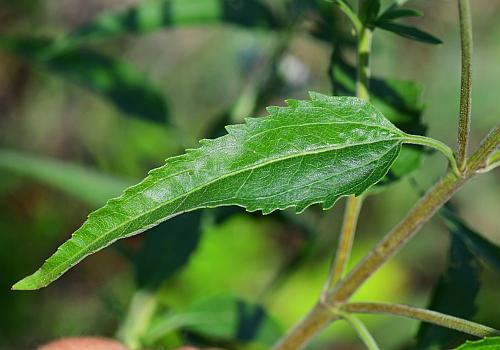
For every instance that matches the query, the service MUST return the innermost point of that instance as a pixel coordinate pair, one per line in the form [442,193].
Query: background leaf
[116,80]
[90,186]
[395,12]
[454,294]
[484,249]
[483,344]
[156,14]
[166,248]
[408,32]
[313,144]
[221,318]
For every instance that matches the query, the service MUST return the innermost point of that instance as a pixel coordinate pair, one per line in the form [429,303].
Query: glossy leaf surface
[309,152]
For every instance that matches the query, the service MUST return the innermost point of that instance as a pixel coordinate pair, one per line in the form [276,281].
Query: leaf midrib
[258,165]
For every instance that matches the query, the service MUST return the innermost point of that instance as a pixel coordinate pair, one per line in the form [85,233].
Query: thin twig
[429,316]
[466,83]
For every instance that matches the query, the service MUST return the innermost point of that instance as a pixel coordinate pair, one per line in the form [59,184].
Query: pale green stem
[429,316]
[466,82]
[346,238]
[140,312]
[438,145]
[363,333]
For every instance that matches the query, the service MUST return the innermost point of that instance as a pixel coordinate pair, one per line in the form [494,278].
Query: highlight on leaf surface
[309,152]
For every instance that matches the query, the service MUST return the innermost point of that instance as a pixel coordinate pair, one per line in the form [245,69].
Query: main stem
[466,82]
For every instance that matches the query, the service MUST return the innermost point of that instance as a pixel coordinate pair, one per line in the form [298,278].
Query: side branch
[429,316]
[465,89]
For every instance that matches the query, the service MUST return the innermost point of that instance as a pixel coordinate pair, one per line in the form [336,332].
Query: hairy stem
[429,316]
[434,199]
[363,333]
[298,337]
[465,88]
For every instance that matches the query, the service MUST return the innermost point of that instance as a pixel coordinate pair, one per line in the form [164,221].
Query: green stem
[429,316]
[299,336]
[438,145]
[348,11]
[346,238]
[466,82]
[363,65]
[140,311]
[363,333]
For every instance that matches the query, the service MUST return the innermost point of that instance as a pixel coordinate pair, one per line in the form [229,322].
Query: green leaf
[400,101]
[89,186]
[119,82]
[166,248]
[483,344]
[454,294]
[309,152]
[395,12]
[483,249]
[368,10]
[156,14]
[408,32]
[222,317]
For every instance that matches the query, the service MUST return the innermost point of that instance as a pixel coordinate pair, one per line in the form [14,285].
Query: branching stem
[429,316]
[466,82]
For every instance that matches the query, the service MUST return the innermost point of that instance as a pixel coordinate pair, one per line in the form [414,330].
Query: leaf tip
[31,282]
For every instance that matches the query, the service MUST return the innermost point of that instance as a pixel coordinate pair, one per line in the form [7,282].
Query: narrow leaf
[166,248]
[483,344]
[309,152]
[408,32]
[90,186]
[454,294]
[395,12]
[156,14]
[484,249]
[116,80]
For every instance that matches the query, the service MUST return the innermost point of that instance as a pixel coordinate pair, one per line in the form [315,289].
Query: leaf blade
[408,32]
[324,148]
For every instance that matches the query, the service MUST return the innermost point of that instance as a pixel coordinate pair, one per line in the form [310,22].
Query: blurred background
[93,94]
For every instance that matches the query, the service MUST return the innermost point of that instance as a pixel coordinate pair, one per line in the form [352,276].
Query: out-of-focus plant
[310,152]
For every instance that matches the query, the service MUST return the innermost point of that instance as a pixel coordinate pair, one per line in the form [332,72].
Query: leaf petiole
[436,144]
[363,333]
